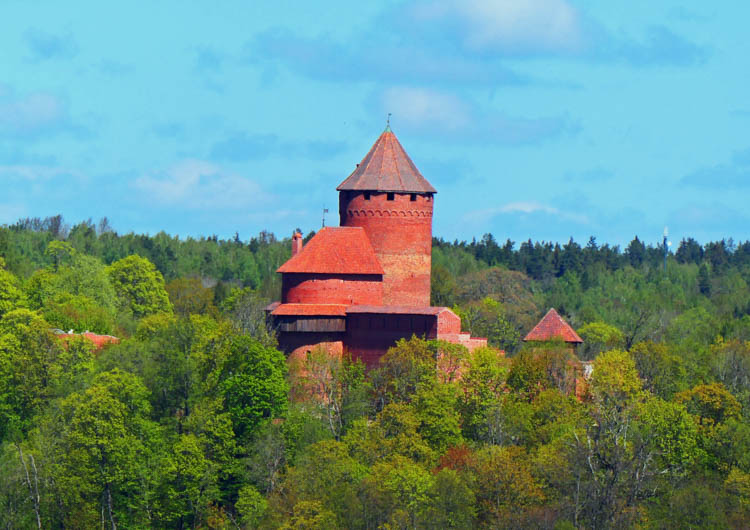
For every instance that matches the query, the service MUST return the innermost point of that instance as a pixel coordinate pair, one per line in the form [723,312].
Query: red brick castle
[362,286]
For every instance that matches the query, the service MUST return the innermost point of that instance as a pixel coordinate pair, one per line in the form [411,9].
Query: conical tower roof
[387,167]
[552,326]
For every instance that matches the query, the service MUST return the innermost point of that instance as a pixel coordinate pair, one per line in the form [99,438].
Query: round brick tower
[388,197]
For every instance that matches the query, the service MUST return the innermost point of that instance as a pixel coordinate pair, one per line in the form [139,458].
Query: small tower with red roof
[388,197]
[553,327]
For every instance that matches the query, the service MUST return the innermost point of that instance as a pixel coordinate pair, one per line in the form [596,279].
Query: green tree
[72,367]
[627,300]
[482,385]
[504,486]
[189,484]
[670,434]
[59,252]
[487,318]
[713,407]
[631,445]
[251,506]
[661,369]
[730,365]
[553,415]
[598,337]
[396,494]
[704,280]
[253,384]
[509,421]
[27,353]
[334,385]
[311,515]
[402,369]
[543,365]
[395,432]
[139,286]
[436,405]
[695,328]
[451,502]
[79,313]
[84,276]
[326,473]
[697,504]
[105,444]
[514,290]
[712,404]
[188,296]
[615,378]
[39,287]
[442,286]
[635,252]
[409,486]
[738,485]
[11,295]
[246,310]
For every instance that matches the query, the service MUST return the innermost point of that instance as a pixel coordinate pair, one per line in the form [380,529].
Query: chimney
[296,243]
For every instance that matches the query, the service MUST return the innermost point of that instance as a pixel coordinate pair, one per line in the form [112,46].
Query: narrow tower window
[413,197]
[391,196]
[367,195]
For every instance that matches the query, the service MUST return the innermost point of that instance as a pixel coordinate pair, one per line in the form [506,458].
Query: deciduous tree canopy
[188,421]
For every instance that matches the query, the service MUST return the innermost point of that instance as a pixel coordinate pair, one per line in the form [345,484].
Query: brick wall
[448,322]
[297,288]
[296,344]
[400,231]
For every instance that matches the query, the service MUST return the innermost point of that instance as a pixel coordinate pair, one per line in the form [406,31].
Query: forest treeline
[196,420]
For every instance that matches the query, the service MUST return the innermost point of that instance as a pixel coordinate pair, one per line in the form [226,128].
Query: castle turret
[388,197]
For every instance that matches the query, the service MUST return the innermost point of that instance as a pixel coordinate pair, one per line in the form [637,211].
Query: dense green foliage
[195,419]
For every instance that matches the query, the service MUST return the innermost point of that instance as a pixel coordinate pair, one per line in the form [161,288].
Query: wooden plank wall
[308,323]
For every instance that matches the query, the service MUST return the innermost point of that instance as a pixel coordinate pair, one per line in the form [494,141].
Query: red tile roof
[309,310]
[395,310]
[552,326]
[336,250]
[99,340]
[387,167]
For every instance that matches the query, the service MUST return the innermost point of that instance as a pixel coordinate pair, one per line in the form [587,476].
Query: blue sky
[540,119]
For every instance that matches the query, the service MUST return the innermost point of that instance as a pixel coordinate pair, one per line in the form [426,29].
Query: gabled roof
[336,250]
[552,326]
[387,167]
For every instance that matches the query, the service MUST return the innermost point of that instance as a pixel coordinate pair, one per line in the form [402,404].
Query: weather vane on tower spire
[388,122]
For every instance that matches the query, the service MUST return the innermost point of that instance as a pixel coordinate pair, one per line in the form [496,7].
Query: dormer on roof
[387,168]
[552,327]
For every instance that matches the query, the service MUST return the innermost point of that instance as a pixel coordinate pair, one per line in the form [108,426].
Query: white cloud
[520,25]
[442,114]
[196,184]
[30,114]
[419,107]
[525,208]
[36,173]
